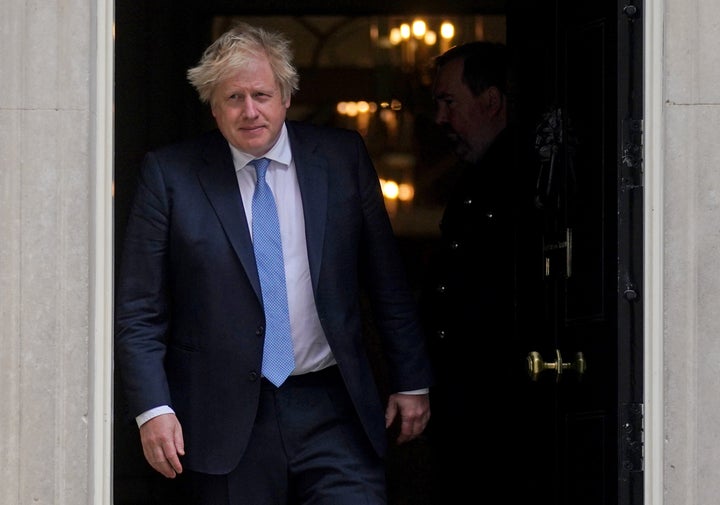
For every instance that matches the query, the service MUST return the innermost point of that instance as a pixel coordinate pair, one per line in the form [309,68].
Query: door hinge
[631,166]
[631,11]
[631,438]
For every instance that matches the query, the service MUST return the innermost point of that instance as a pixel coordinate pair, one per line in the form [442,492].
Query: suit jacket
[189,315]
[483,302]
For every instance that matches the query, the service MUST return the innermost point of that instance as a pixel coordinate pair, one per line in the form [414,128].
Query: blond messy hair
[234,49]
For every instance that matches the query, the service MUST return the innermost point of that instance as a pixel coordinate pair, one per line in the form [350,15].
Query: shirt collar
[279,152]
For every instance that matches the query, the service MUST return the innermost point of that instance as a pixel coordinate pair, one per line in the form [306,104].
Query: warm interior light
[419,28]
[406,192]
[374,32]
[390,189]
[351,109]
[430,38]
[395,36]
[447,30]
[405,31]
[354,108]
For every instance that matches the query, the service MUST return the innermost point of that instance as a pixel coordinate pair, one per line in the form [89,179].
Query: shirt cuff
[149,414]
[422,391]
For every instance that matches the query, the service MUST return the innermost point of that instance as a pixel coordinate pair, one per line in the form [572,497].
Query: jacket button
[260,330]
[253,376]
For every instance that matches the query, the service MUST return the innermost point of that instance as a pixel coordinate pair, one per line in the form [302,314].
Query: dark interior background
[156,42]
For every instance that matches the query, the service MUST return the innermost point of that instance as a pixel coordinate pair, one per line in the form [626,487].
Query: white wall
[691,251]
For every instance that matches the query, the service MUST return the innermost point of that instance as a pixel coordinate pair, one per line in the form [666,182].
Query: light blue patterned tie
[278,358]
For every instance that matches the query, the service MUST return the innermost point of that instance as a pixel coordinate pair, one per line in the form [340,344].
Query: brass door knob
[536,364]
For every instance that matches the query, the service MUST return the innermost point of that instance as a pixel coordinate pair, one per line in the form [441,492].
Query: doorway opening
[573,56]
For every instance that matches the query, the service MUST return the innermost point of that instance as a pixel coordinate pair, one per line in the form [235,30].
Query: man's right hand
[163,444]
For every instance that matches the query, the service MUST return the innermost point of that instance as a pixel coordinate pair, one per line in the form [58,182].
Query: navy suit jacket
[189,314]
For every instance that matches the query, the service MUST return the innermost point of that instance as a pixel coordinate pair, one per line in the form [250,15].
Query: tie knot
[260,165]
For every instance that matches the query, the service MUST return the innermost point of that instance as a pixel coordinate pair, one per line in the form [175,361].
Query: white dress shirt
[312,352]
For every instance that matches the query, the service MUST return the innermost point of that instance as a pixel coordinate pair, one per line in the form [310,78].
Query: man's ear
[495,99]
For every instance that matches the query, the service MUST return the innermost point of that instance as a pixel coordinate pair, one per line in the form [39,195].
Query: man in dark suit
[192,307]
[479,305]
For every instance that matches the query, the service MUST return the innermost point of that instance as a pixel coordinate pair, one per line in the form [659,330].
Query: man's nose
[440,116]
[249,108]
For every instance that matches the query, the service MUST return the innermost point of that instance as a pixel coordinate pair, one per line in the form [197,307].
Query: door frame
[653,156]
[101,373]
[102,78]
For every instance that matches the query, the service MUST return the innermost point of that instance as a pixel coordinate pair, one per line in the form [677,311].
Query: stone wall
[46,215]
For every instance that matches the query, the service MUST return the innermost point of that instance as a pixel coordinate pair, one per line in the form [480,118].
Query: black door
[580,76]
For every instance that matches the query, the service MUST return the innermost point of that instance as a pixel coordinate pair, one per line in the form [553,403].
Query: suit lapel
[219,182]
[312,174]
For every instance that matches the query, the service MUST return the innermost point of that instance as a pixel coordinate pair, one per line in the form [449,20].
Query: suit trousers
[307,448]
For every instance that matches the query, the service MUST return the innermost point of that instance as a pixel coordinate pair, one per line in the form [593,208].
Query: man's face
[467,119]
[249,109]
